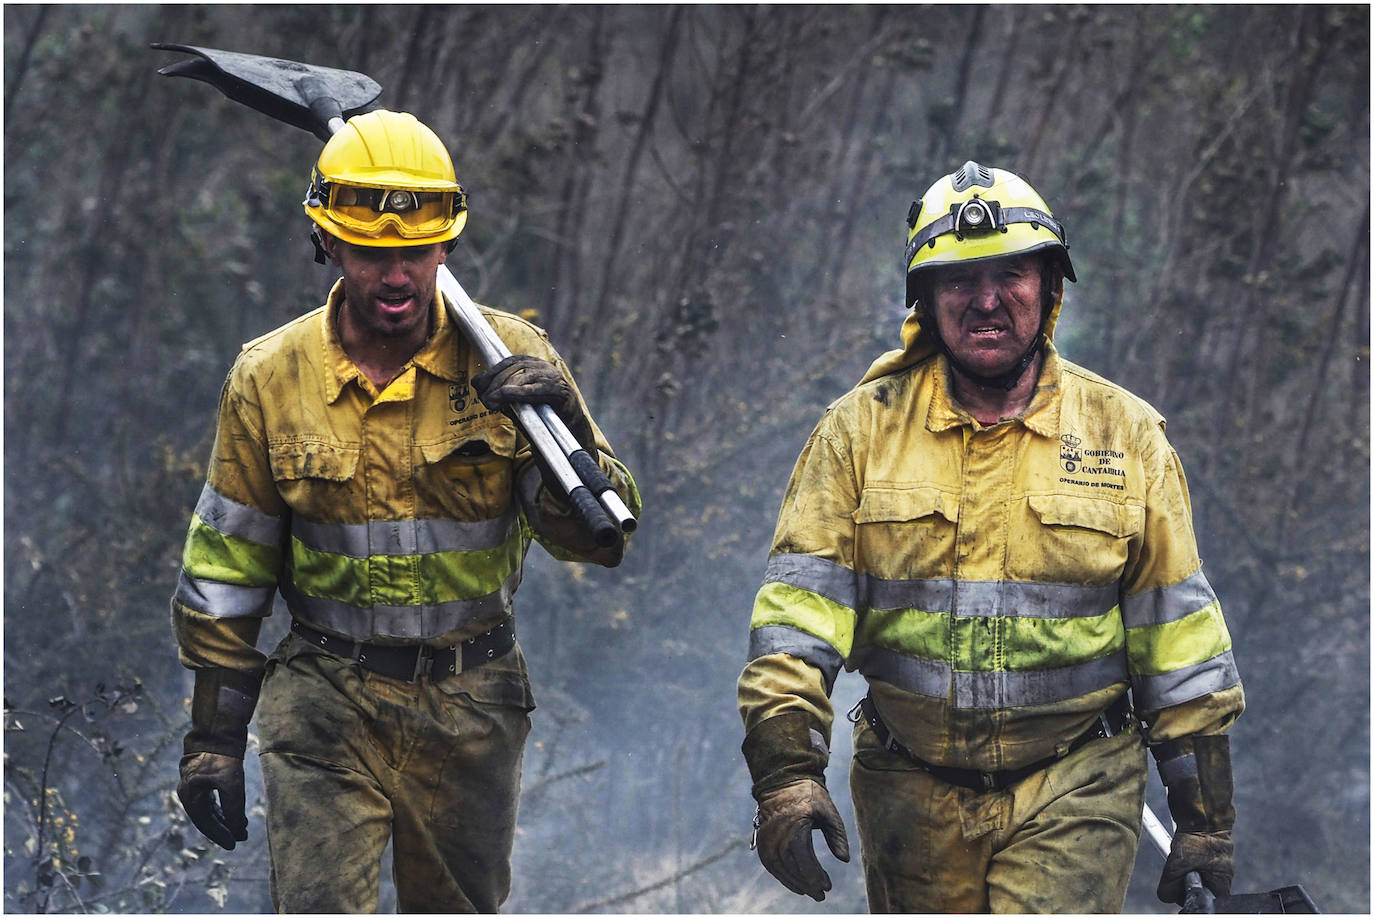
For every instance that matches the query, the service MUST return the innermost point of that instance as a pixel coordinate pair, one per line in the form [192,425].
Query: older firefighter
[1001,543]
[355,470]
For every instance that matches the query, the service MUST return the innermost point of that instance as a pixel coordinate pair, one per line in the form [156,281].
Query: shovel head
[1292,900]
[303,95]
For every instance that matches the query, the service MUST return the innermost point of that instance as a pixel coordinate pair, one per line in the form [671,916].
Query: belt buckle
[422,662]
[988,780]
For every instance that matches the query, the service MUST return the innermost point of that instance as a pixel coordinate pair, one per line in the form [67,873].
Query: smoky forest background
[704,205]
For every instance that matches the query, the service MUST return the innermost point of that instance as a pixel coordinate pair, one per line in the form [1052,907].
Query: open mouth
[395,302]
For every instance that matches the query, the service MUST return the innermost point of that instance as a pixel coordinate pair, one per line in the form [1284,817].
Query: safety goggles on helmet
[366,210]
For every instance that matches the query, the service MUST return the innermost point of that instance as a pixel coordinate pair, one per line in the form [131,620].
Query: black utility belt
[408,662]
[1112,721]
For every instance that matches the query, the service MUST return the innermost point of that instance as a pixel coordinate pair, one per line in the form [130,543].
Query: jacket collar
[1041,415]
[438,356]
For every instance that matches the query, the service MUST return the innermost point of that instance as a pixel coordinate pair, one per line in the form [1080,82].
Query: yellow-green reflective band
[1152,693]
[1176,645]
[908,631]
[224,600]
[1041,643]
[212,555]
[781,604]
[770,639]
[404,580]
[991,644]
[833,581]
[1168,604]
[401,622]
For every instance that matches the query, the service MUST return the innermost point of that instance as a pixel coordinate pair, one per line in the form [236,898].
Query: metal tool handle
[581,469]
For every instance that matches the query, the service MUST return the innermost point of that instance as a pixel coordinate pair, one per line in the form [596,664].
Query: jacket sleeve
[1183,673]
[552,520]
[804,616]
[234,548]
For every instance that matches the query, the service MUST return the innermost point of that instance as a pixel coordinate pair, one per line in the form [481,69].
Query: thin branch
[602,904]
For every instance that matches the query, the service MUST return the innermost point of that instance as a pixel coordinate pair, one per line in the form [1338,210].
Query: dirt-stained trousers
[351,759]
[1062,840]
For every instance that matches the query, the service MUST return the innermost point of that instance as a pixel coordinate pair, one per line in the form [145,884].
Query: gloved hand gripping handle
[579,476]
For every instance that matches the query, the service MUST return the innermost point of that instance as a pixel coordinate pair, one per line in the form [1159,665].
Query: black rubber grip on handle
[589,471]
[1197,898]
[604,532]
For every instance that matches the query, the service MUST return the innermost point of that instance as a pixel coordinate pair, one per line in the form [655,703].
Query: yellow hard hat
[385,179]
[975,213]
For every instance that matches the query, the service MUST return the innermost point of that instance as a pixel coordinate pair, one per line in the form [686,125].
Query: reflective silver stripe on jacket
[1153,693]
[400,622]
[224,600]
[239,520]
[990,690]
[833,581]
[969,598]
[403,537]
[994,598]
[1168,604]
[803,645]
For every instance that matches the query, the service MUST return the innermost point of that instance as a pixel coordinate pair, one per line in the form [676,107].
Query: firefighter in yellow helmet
[363,467]
[1001,543]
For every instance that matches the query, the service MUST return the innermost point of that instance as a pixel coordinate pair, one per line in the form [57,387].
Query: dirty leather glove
[222,704]
[1196,770]
[521,378]
[787,815]
[203,776]
[1211,854]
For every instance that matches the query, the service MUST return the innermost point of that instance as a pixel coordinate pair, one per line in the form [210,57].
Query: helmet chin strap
[1004,381]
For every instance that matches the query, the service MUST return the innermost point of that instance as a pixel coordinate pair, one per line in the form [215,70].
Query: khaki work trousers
[351,759]
[1061,841]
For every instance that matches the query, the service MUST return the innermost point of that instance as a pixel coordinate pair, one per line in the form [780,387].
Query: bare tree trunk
[21,69]
[938,147]
[1356,271]
[644,130]
[1029,160]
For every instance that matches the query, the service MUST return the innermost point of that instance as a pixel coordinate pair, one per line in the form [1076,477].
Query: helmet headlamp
[976,216]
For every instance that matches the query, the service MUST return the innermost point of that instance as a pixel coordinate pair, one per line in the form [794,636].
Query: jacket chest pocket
[1062,538]
[468,476]
[906,533]
[313,474]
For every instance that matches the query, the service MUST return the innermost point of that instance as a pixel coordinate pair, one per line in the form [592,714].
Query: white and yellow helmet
[975,213]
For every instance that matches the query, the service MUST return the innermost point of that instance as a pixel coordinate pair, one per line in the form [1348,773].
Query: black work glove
[221,706]
[203,776]
[1197,772]
[787,816]
[522,379]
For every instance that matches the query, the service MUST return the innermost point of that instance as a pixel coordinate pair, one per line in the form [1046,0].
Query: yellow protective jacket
[402,516]
[998,587]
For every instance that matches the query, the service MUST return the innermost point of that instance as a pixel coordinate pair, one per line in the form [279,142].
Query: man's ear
[331,245]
